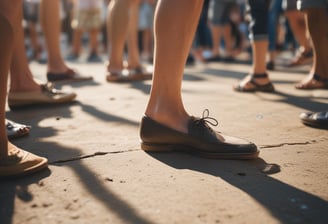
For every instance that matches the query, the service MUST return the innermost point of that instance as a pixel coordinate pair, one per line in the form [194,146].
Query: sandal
[315,119]
[128,75]
[301,58]
[69,75]
[268,87]
[317,82]
[16,130]
[48,95]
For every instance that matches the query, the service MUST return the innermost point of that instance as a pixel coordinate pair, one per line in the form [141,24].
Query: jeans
[258,27]
[274,12]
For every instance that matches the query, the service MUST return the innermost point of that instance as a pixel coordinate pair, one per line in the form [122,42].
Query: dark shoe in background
[315,119]
[94,58]
[270,65]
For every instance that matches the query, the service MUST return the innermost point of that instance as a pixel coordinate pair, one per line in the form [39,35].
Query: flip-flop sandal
[128,75]
[16,130]
[268,87]
[315,119]
[69,75]
[301,59]
[310,86]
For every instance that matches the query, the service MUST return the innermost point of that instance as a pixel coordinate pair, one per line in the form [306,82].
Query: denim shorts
[219,11]
[289,5]
[304,4]
[257,10]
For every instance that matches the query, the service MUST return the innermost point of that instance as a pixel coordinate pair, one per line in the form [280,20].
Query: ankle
[175,121]
[25,88]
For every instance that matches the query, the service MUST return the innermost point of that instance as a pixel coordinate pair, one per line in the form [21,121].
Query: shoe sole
[264,89]
[41,166]
[194,151]
[131,78]
[73,80]
[20,104]
[315,124]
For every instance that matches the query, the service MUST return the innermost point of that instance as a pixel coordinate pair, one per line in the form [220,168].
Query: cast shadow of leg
[286,203]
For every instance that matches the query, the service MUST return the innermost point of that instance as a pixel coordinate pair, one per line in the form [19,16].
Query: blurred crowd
[83,26]
[222,33]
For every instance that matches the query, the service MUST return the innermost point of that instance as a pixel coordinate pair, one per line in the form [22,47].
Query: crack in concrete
[91,155]
[133,150]
[287,143]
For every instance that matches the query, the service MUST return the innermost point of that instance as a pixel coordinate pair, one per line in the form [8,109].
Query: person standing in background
[87,17]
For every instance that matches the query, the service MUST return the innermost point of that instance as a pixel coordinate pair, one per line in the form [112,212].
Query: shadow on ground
[285,202]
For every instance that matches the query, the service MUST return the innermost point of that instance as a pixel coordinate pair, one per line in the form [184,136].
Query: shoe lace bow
[207,120]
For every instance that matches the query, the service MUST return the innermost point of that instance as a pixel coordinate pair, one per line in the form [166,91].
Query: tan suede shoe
[48,95]
[20,163]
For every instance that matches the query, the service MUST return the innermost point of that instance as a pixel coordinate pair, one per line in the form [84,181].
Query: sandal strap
[308,54]
[258,85]
[320,79]
[259,76]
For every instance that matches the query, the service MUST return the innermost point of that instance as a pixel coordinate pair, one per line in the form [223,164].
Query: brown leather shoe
[21,163]
[201,140]
[48,95]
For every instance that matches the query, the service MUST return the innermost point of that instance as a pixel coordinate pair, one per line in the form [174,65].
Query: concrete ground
[99,174]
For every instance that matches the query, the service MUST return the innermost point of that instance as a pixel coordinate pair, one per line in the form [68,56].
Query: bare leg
[167,126]
[94,40]
[23,87]
[304,54]
[317,22]
[76,42]
[297,23]
[132,40]
[147,43]
[21,78]
[258,79]
[117,24]
[259,65]
[50,22]
[216,37]
[34,40]
[226,33]
[6,42]
[13,161]
[171,52]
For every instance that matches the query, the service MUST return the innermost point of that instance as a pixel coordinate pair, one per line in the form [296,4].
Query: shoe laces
[14,156]
[206,120]
[49,89]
